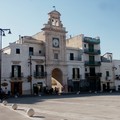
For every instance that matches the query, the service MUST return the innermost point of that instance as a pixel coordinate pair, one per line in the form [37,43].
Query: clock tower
[55,51]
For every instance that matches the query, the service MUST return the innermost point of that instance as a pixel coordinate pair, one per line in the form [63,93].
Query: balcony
[40,74]
[93,52]
[15,77]
[95,75]
[99,74]
[117,77]
[75,59]
[38,58]
[76,77]
[108,78]
[92,63]
[91,40]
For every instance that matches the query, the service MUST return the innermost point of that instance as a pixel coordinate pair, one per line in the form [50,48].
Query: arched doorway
[57,80]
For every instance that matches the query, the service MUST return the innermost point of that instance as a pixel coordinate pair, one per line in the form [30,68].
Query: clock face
[55,42]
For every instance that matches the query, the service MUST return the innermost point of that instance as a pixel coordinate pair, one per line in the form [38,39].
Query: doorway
[16,88]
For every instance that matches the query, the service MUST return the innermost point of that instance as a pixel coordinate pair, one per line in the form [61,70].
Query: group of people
[3,93]
[51,90]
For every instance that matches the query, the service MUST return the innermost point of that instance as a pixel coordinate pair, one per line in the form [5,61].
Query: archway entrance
[57,80]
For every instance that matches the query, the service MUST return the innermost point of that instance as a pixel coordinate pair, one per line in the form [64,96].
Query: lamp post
[2,33]
[30,77]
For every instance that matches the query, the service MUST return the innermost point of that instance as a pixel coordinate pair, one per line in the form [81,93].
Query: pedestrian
[5,93]
[1,93]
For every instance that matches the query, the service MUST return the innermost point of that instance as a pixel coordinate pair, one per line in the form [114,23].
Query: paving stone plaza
[64,107]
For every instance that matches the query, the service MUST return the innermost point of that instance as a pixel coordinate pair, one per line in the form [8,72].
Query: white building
[116,67]
[107,79]
[47,59]
[89,50]
[33,62]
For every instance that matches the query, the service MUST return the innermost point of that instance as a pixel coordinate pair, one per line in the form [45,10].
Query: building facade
[48,60]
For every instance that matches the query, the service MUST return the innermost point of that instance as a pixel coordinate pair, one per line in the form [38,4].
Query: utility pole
[30,77]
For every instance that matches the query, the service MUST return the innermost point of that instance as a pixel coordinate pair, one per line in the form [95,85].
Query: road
[68,107]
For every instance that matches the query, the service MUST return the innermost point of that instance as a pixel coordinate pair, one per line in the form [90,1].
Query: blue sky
[89,17]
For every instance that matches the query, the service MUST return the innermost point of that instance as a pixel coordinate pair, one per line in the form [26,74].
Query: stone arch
[57,79]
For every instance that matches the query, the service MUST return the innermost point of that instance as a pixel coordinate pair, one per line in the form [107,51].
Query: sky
[89,17]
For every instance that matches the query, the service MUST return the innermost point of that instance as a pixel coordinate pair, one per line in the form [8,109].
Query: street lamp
[2,33]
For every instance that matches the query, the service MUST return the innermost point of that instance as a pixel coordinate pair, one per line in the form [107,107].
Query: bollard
[30,112]
[4,102]
[14,106]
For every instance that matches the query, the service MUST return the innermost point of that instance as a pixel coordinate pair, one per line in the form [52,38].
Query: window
[85,45]
[39,71]
[91,59]
[31,50]
[107,73]
[40,52]
[119,87]
[17,51]
[16,71]
[55,55]
[76,73]
[91,47]
[39,68]
[92,71]
[71,56]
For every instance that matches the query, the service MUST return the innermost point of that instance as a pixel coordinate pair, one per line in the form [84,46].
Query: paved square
[70,107]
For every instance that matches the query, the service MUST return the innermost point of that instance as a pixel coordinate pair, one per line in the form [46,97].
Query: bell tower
[55,46]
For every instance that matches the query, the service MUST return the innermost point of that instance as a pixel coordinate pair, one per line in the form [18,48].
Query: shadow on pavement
[34,99]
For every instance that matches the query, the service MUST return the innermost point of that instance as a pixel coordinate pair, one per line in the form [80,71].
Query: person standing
[5,93]
[1,93]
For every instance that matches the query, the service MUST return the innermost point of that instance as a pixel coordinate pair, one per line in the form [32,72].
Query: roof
[54,12]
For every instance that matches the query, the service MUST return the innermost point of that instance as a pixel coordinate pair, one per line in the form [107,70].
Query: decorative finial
[54,7]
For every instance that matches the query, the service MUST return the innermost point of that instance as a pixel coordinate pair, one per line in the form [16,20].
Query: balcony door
[39,70]
[91,47]
[91,59]
[92,71]
[76,73]
[16,71]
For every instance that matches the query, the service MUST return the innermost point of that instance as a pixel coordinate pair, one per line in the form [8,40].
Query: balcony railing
[93,52]
[91,40]
[75,59]
[108,78]
[40,74]
[99,74]
[39,58]
[117,77]
[15,77]
[92,63]
[95,75]
[76,77]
